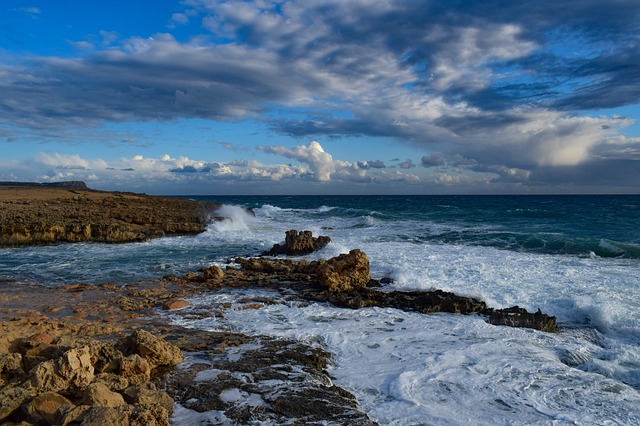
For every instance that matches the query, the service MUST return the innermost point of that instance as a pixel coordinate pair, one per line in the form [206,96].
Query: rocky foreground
[36,214]
[96,355]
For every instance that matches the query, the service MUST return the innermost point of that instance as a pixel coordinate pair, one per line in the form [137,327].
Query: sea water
[575,257]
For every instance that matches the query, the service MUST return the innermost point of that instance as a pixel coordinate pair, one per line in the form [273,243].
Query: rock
[99,394]
[135,368]
[147,394]
[43,408]
[213,272]
[73,368]
[148,415]
[299,243]
[174,304]
[156,351]
[41,338]
[11,398]
[100,416]
[10,366]
[520,317]
[344,273]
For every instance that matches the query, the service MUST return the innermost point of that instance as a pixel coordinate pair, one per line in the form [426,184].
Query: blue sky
[322,97]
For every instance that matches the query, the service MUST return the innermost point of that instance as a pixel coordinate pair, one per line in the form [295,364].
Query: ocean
[574,257]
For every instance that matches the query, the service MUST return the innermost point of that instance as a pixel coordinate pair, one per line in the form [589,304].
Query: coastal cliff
[39,214]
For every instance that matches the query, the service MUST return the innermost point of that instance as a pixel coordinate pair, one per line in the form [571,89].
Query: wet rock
[213,272]
[344,273]
[520,317]
[97,416]
[175,304]
[299,243]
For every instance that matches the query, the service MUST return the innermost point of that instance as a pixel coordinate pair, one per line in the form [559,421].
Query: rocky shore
[37,214]
[106,354]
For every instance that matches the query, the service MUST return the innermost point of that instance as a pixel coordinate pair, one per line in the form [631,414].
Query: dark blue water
[583,225]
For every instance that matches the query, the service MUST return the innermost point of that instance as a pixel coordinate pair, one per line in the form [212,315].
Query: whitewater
[577,258]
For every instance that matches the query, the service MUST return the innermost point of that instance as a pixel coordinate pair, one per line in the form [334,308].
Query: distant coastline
[71,184]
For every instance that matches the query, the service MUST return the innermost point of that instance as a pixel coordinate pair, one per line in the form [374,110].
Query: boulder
[344,273]
[42,409]
[213,272]
[100,395]
[72,369]
[156,351]
[299,243]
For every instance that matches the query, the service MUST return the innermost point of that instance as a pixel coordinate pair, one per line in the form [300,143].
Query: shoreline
[32,215]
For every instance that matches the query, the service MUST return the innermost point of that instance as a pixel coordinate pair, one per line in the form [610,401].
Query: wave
[234,218]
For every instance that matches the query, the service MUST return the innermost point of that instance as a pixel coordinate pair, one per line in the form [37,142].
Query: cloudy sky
[322,96]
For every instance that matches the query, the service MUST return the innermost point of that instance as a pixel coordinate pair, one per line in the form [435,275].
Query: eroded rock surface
[299,243]
[36,215]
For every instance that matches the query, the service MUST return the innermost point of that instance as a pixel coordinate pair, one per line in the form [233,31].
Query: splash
[235,218]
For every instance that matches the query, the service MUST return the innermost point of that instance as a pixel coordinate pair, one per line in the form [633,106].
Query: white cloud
[321,162]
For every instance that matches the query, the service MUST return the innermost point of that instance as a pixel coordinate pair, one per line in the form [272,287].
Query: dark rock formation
[520,317]
[298,244]
[349,285]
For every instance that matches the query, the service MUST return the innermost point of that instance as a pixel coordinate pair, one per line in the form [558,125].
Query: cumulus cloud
[497,85]
[321,163]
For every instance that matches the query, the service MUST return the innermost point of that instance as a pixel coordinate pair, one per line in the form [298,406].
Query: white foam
[235,219]
[407,368]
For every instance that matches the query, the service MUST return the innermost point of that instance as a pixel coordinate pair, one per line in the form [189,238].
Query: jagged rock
[147,394]
[11,398]
[520,317]
[99,394]
[344,273]
[43,408]
[135,368]
[10,367]
[213,272]
[148,415]
[299,243]
[156,351]
[73,368]
[96,416]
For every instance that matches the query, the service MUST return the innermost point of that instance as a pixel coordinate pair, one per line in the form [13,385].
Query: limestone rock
[344,273]
[299,243]
[135,368]
[213,272]
[99,416]
[155,350]
[99,394]
[147,394]
[42,408]
[11,398]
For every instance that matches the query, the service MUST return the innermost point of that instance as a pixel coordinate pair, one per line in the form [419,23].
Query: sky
[204,97]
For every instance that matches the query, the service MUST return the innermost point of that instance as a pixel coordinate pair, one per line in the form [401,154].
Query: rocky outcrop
[91,382]
[33,215]
[344,273]
[298,244]
[345,281]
